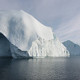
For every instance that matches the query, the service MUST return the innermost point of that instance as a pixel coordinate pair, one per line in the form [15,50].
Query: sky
[62,15]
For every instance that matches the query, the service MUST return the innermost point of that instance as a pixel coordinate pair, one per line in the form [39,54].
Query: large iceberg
[27,37]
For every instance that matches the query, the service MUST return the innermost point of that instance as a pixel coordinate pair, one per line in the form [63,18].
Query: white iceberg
[27,37]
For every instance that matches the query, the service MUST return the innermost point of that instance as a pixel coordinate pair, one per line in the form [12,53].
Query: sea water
[40,69]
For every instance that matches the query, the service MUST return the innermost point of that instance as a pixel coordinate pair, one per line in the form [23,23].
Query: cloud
[70,30]
[62,15]
[54,12]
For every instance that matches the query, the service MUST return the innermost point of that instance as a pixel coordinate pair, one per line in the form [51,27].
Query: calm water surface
[40,69]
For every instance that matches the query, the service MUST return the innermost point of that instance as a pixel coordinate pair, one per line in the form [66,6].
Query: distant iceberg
[24,36]
[73,48]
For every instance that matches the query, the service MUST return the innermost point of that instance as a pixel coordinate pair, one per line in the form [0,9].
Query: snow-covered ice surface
[73,48]
[28,37]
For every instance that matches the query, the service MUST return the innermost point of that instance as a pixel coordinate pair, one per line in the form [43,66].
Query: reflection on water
[40,69]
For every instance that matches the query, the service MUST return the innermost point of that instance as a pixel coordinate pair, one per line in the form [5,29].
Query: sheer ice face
[4,46]
[28,37]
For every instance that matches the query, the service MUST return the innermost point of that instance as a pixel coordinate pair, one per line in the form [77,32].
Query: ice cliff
[27,37]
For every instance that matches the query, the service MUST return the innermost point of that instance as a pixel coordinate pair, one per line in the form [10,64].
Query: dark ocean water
[40,69]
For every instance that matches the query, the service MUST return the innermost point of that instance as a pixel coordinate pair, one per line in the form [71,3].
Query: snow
[73,48]
[28,37]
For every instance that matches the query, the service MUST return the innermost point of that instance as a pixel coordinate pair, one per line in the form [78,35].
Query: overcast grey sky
[62,15]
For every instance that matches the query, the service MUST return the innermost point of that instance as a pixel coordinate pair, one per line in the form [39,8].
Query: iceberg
[73,48]
[27,37]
